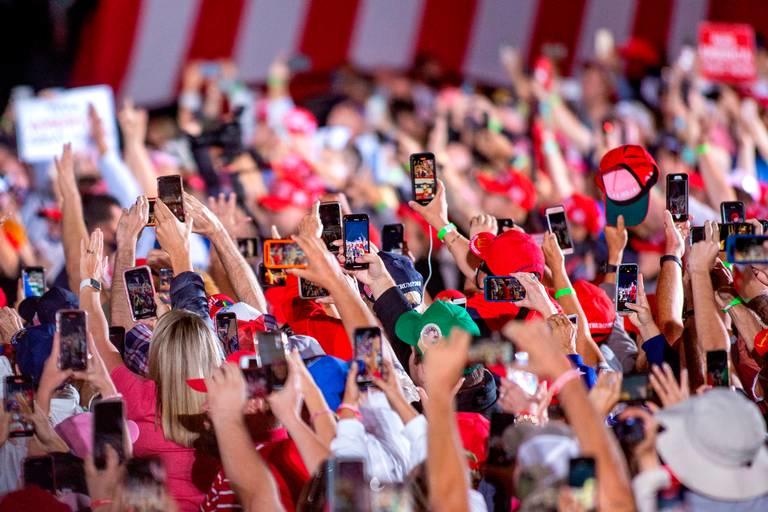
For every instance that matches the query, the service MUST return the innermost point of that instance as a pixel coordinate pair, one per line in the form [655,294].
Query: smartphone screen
[282,254]
[151,221]
[423,177]
[248,247]
[330,218]
[732,211]
[747,249]
[356,240]
[71,326]
[503,289]
[348,489]
[369,356]
[717,368]
[582,481]
[39,471]
[697,234]
[141,292]
[169,191]
[732,229]
[677,196]
[117,338]
[256,381]
[504,224]
[309,290]
[558,224]
[19,397]
[392,238]
[166,276]
[272,355]
[626,287]
[108,427]
[634,388]
[226,330]
[33,280]
[497,455]
[271,277]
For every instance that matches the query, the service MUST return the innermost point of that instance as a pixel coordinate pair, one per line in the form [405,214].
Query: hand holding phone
[558,225]
[226,330]
[108,429]
[677,196]
[272,346]
[330,218]
[283,254]
[141,292]
[392,238]
[423,177]
[626,287]
[503,289]
[369,355]
[33,280]
[19,398]
[732,211]
[582,479]
[171,192]
[73,342]
[717,368]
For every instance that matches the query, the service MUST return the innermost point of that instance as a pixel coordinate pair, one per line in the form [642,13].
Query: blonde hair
[182,347]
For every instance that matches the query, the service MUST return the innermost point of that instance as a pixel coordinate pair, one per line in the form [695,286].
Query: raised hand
[226,394]
[133,221]
[205,221]
[322,268]
[702,255]
[444,362]
[436,212]
[673,234]
[232,218]
[10,324]
[606,391]
[536,297]
[664,383]
[92,259]
[553,255]
[616,238]
[133,123]
[483,223]
[173,236]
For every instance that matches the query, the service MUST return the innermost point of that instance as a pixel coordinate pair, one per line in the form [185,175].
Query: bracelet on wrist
[671,257]
[563,291]
[445,230]
[563,379]
[348,407]
[735,302]
[100,503]
[702,149]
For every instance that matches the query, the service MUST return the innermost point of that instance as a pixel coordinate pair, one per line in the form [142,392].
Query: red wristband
[563,379]
[348,407]
[100,503]
[761,342]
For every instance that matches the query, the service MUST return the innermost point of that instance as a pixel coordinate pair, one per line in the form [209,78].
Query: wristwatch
[92,283]
[607,268]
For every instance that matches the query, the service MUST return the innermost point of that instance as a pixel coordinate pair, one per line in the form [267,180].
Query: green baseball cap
[436,322]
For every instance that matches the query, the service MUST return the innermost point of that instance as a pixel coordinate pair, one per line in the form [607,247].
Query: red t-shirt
[183,466]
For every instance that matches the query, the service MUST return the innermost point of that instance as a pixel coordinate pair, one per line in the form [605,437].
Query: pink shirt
[182,466]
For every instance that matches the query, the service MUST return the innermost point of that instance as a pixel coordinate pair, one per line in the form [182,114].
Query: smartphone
[745,249]
[634,388]
[33,280]
[582,480]
[330,218]
[19,396]
[697,234]
[630,431]
[272,356]
[73,350]
[348,488]
[309,290]
[108,429]
[392,238]
[732,229]
[497,455]
[170,191]
[117,338]
[369,355]
[40,471]
[248,247]
[151,221]
[677,196]
[764,223]
[141,292]
[423,177]
[503,289]
[280,254]
[356,240]
[558,224]
[626,287]
[717,368]
[491,352]
[504,224]
[271,277]
[256,382]
[574,319]
[226,330]
[166,276]
[732,211]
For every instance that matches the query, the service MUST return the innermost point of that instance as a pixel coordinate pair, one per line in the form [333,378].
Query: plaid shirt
[137,349]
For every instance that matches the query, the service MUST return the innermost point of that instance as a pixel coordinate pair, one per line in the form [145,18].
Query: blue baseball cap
[330,374]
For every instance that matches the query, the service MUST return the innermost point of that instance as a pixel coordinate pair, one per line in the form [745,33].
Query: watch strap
[92,283]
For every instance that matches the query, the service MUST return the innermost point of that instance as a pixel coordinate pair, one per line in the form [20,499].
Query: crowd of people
[591,410]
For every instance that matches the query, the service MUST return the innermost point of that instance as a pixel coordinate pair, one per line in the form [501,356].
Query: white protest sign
[43,125]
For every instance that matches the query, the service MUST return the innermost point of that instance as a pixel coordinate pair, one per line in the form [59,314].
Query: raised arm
[129,228]
[72,221]
[244,467]
[447,470]
[669,290]
[133,124]
[92,267]
[240,273]
[710,330]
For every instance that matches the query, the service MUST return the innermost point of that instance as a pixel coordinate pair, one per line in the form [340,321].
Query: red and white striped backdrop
[140,46]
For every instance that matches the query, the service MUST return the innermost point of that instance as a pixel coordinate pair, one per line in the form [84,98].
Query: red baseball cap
[597,306]
[452,296]
[474,429]
[626,175]
[300,121]
[584,211]
[286,192]
[198,384]
[510,252]
[515,185]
